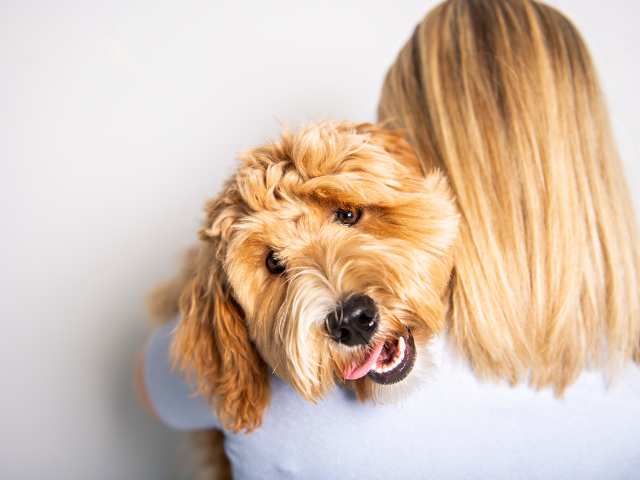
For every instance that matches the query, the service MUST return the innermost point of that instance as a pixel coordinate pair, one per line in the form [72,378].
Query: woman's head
[503,96]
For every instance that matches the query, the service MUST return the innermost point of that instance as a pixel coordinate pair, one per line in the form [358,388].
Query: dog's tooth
[401,344]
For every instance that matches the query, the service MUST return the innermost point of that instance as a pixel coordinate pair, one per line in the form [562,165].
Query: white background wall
[118,120]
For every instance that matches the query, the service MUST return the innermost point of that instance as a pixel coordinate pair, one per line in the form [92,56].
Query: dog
[490,205]
[326,257]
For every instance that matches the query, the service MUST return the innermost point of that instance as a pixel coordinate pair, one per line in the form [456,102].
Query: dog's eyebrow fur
[322,162]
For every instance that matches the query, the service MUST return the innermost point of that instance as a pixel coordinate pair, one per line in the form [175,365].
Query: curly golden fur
[505,221]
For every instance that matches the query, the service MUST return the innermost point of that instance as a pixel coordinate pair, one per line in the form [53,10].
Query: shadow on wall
[153,450]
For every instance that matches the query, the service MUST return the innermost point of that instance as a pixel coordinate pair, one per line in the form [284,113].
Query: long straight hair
[503,96]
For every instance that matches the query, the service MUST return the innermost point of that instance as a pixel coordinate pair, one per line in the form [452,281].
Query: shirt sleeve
[169,393]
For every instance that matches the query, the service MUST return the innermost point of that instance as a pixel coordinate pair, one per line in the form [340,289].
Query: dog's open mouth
[389,362]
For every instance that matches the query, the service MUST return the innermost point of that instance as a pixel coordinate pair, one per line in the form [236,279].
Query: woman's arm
[165,394]
[140,384]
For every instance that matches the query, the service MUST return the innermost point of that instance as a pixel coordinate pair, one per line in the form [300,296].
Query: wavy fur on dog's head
[240,319]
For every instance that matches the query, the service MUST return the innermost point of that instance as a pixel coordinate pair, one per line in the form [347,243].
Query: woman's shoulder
[453,426]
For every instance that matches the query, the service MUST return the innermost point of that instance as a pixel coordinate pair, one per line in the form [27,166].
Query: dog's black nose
[354,321]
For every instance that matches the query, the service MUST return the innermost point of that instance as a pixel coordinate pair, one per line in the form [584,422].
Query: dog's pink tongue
[354,371]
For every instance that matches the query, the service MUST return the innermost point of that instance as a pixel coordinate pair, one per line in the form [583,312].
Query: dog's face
[331,253]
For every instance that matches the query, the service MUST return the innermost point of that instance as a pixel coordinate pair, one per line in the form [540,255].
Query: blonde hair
[502,95]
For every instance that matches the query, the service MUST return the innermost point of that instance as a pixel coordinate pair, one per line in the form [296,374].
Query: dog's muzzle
[354,321]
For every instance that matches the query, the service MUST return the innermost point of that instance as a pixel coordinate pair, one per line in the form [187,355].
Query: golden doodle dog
[326,257]
[491,205]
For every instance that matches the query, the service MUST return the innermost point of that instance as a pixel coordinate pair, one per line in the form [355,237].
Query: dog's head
[327,256]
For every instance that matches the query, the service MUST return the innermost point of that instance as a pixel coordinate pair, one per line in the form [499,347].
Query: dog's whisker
[275,368]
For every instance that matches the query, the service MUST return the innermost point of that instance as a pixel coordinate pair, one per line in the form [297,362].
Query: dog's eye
[348,217]
[274,265]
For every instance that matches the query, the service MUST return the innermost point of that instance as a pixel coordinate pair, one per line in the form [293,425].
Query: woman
[502,96]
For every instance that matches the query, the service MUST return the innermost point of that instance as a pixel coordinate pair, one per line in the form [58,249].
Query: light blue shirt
[453,427]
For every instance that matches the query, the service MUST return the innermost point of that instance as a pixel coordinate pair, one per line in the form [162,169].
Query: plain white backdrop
[117,121]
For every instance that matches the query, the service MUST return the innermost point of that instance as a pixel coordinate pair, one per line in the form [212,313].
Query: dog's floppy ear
[394,144]
[212,344]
